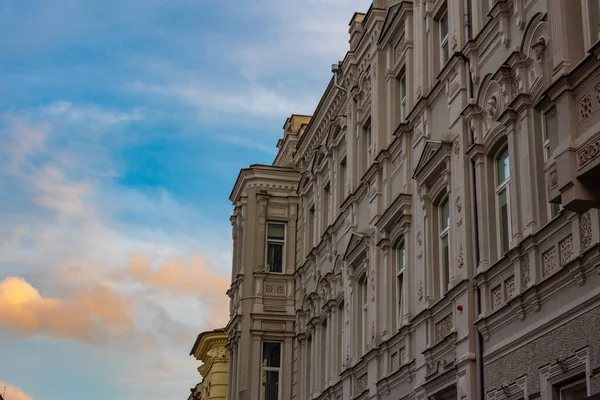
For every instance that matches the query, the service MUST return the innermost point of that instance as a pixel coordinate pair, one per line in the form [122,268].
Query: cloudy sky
[123,124]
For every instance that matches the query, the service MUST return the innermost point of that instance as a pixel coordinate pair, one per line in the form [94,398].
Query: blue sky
[123,125]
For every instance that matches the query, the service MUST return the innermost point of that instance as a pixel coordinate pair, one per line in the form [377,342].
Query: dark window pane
[503,203]
[275,257]
[271,354]
[446,263]
[276,231]
[271,385]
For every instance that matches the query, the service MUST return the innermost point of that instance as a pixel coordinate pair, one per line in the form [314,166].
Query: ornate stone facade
[422,199]
[210,349]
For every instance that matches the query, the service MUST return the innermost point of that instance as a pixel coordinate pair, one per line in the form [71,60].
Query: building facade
[210,348]
[432,230]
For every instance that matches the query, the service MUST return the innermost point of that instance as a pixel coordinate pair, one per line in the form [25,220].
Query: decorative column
[262,200]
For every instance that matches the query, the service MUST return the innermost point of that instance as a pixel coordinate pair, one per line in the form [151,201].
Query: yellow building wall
[210,349]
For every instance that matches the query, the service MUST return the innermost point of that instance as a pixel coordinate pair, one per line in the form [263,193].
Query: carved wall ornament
[461,257]
[443,328]
[588,153]
[525,272]
[373,331]
[419,239]
[509,288]
[395,364]
[372,286]
[402,355]
[552,179]
[539,48]
[454,41]
[496,297]
[419,91]
[549,264]
[585,231]
[585,108]
[458,204]
[491,106]
[361,384]
[420,291]
[566,250]
[456,148]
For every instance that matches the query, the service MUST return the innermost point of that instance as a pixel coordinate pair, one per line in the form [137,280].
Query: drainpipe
[474,213]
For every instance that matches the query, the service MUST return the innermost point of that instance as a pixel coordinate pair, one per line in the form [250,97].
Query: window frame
[342,179]
[444,235]
[568,387]
[590,17]
[364,316]
[368,143]
[500,187]
[276,242]
[554,209]
[312,215]
[444,42]
[326,212]
[264,369]
[400,283]
[403,94]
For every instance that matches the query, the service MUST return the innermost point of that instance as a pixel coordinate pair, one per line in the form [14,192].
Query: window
[326,206]
[364,318]
[342,180]
[594,19]
[444,49]
[324,353]
[275,245]
[271,369]
[573,391]
[369,143]
[311,228]
[555,208]
[401,255]
[403,110]
[445,245]
[340,324]
[503,200]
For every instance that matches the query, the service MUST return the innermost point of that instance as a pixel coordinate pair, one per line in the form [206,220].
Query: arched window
[502,168]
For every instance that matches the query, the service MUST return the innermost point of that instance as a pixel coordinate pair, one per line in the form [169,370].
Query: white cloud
[88,114]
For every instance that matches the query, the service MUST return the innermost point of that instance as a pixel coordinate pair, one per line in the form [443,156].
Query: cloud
[89,114]
[193,276]
[93,316]
[245,98]
[12,392]
[58,193]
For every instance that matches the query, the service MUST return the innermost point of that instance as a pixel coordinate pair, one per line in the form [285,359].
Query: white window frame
[500,187]
[270,369]
[400,282]
[364,297]
[444,42]
[276,241]
[402,83]
[444,234]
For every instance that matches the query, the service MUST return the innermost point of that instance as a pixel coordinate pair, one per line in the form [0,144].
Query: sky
[123,126]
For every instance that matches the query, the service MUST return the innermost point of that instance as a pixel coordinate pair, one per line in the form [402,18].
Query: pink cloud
[92,316]
[11,392]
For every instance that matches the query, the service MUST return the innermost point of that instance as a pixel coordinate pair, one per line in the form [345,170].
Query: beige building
[432,231]
[210,348]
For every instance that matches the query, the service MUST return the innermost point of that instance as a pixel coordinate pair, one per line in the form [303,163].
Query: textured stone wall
[564,340]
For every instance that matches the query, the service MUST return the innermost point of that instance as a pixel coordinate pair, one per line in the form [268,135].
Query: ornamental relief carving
[588,153]
[525,272]
[549,262]
[361,384]
[566,250]
[585,231]
[443,328]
